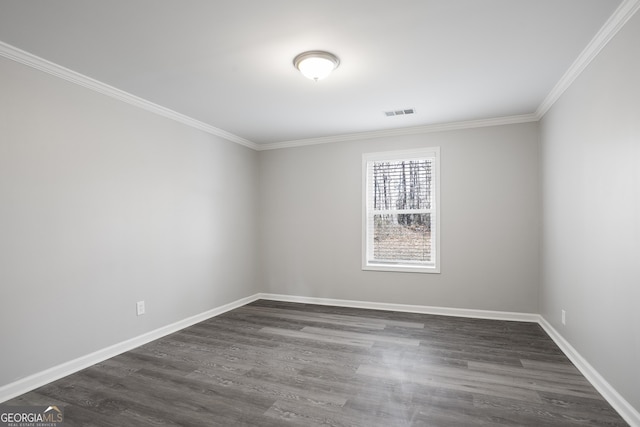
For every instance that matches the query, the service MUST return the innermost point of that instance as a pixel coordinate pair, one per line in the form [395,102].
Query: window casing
[401,211]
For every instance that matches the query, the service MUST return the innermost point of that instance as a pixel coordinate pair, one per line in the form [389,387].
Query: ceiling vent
[404,112]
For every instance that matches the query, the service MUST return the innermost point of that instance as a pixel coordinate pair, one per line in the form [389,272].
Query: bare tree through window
[402,192]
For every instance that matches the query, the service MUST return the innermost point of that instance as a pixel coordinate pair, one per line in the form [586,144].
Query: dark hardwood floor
[278,364]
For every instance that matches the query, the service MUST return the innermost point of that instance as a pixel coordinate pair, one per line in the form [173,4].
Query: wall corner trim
[619,403]
[18,55]
[616,21]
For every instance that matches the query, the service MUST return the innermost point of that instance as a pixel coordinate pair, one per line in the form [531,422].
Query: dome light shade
[316,65]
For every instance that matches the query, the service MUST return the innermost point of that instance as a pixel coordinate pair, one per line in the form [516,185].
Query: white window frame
[367,241]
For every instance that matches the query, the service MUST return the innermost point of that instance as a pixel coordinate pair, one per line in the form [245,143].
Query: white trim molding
[18,55]
[624,408]
[619,403]
[33,61]
[39,379]
[437,127]
[31,382]
[429,155]
[407,308]
[616,21]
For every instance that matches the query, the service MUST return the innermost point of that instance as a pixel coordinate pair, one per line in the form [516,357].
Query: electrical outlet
[140,308]
[564,317]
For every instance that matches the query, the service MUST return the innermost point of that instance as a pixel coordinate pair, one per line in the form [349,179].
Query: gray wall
[311,213]
[590,159]
[103,204]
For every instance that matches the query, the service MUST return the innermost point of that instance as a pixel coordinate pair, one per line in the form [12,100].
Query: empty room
[347,213]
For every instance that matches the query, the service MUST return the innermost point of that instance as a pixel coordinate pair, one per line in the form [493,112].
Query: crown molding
[616,21]
[440,127]
[13,53]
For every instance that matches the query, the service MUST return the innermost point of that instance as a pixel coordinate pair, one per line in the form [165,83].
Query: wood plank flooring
[280,364]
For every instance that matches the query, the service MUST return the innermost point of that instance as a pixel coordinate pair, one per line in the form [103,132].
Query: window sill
[401,268]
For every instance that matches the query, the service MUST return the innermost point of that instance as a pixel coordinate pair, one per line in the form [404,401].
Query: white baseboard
[624,408]
[421,309]
[39,379]
[618,403]
[24,385]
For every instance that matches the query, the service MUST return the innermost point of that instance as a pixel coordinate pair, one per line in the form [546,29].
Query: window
[401,211]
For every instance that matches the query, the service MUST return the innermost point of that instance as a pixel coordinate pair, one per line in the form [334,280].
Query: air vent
[404,112]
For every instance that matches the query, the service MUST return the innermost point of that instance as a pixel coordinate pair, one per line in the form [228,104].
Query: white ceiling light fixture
[316,64]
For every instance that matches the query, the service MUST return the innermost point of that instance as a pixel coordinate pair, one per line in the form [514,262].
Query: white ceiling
[229,63]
